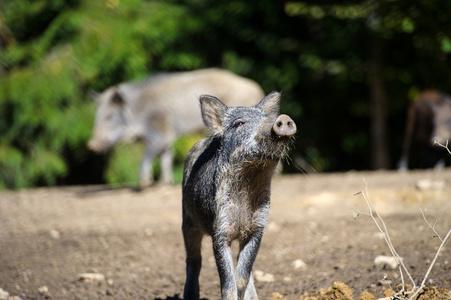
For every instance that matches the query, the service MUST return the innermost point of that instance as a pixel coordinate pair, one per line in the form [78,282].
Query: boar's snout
[284,126]
[92,145]
[96,146]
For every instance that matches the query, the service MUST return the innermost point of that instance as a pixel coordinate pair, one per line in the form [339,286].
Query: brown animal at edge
[428,121]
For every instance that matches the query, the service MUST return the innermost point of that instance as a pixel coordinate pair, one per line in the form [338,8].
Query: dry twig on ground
[403,293]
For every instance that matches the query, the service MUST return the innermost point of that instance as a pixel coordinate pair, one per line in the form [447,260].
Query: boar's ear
[270,104]
[212,111]
[117,98]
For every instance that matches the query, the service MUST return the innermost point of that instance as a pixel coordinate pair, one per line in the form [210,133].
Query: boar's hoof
[284,126]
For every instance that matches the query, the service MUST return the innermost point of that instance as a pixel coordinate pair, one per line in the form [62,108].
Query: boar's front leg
[223,255]
[251,293]
[166,160]
[246,258]
[192,236]
[146,170]
[248,252]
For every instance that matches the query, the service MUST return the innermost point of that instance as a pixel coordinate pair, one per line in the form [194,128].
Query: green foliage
[55,51]
[11,161]
[40,116]
[123,164]
[184,144]
[181,149]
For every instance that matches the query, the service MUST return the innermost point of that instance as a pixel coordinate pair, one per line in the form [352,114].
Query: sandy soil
[132,240]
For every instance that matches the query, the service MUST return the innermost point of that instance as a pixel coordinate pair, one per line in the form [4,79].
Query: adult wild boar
[161,108]
[428,121]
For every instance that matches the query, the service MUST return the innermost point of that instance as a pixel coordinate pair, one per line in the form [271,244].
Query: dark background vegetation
[347,69]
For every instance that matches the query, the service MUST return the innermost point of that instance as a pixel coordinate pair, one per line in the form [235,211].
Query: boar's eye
[238,123]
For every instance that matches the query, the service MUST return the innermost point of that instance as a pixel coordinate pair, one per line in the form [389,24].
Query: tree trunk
[378,107]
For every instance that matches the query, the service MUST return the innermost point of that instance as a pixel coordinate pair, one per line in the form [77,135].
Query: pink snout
[284,126]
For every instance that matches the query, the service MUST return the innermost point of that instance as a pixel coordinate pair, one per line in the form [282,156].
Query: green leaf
[446,45]
[407,25]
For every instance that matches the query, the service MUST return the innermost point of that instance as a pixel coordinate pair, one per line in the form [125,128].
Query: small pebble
[299,264]
[263,277]
[91,277]
[55,234]
[385,262]
[43,289]
[3,294]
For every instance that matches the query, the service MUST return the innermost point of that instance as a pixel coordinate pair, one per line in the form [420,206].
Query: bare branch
[402,294]
[432,227]
[385,234]
[431,265]
[443,146]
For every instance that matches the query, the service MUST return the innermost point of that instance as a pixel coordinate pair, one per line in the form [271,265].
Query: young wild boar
[226,189]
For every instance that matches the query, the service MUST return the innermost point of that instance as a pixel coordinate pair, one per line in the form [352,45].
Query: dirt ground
[132,241]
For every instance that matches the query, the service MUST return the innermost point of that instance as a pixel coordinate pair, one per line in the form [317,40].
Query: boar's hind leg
[193,242]
[246,258]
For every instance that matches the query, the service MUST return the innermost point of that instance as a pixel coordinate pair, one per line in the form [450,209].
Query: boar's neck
[251,181]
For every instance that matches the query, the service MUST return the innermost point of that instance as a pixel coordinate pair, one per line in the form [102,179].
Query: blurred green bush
[319,54]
